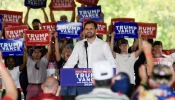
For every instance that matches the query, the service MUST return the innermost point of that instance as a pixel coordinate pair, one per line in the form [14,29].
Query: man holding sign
[89,51]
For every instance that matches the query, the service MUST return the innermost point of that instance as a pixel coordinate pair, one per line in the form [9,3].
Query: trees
[157,11]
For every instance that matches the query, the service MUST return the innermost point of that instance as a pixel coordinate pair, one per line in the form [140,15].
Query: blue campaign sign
[11,47]
[69,29]
[126,30]
[35,3]
[0,22]
[77,76]
[92,13]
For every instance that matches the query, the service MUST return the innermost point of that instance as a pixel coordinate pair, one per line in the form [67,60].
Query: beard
[91,35]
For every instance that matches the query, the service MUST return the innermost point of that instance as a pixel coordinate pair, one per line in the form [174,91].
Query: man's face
[36,25]
[63,18]
[124,47]
[36,54]
[11,62]
[90,31]
[157,49]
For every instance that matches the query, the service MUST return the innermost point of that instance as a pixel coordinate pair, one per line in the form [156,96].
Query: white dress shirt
[97,51]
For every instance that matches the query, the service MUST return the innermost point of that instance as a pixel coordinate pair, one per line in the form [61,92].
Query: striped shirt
[102,94]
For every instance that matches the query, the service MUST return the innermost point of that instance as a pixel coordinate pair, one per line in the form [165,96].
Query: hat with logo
[102,70]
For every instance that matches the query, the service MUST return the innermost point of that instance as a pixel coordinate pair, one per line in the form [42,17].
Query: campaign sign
[126,30]
[62,5]
[51,26]
[114,20]
[148,29]
[11,47]
[163,61]
[92,13]
[0,22]
[37,37]
[101,27]
[77,76]
[35,3]
[88,2]
[15,31]
[69,29]
[11,17]
[168,52]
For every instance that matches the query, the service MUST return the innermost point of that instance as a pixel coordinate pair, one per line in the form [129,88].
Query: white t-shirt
[15,76]
[125,63]
[173,56]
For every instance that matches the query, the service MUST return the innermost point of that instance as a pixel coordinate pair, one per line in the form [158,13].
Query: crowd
[136,78]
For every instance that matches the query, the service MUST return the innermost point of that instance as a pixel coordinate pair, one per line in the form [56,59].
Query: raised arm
[8,81]
[57,51]
[52,18]
[48,50]
[139,41]
[45,15]
[21,67]
[112,44]
[73,13]
[26,16]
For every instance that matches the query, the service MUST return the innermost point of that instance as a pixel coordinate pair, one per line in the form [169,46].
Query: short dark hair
[103,83]
[36,20]
[157,43]
[91,22]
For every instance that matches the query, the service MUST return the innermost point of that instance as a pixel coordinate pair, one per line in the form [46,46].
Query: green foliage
[156,11]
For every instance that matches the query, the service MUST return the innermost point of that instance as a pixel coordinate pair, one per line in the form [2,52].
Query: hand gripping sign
[51,26]
[37,37]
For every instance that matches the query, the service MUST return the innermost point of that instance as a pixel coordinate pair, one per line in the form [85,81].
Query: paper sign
[51,26]
[15,31]
[35,3]
[114,20]
[148,29]
[11,47]
[37,37]
[163,61]
[69,29]
[62,4]
[126,30]
[101,27]
[168,52]
[92,13]
[11,17]
[88,2]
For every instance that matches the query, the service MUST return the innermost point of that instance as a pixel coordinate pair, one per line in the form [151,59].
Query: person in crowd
[102,79]
[97,49]
[125,61]
[49,88]
[121,83]
[37,62]
[14,72]
[36,22]
[11,92]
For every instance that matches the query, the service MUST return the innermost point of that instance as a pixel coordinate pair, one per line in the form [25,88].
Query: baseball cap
[36,20]
[102,70]
[123,41]
[121,83]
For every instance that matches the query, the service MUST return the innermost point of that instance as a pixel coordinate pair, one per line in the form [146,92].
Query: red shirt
[42,96]
[7,98]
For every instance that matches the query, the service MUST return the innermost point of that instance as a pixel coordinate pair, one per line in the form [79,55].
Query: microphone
[86,45]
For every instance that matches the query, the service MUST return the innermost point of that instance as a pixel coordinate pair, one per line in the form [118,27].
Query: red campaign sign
[163,61]
[114,20]
[11,16]
[148,29]
[15,31]
[168,52]
[51,26]
[10,24]
[62,5]
[88,2]
[37,37]
[101,27]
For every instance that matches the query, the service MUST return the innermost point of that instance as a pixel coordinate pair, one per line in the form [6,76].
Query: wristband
[148,54]
[2,66]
